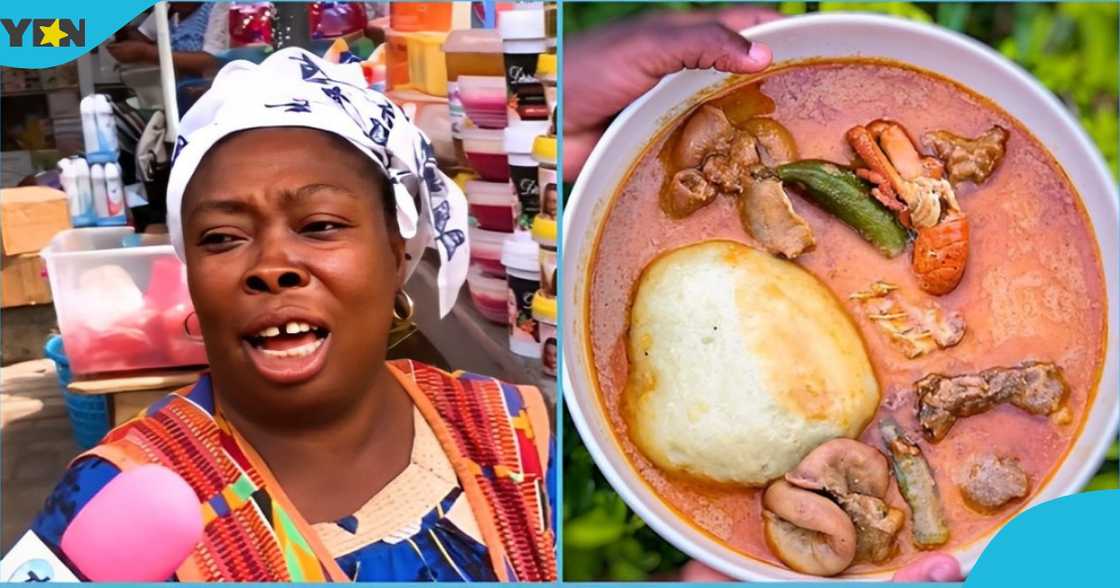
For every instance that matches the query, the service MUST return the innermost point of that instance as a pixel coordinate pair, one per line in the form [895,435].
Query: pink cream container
[492,204]
[485,153]
[486,252]
[484,100]
[488,295]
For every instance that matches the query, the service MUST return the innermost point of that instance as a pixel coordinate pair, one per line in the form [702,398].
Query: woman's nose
[275,279]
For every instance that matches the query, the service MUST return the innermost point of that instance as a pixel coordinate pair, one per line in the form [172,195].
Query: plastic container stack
[499,82]
[93,181]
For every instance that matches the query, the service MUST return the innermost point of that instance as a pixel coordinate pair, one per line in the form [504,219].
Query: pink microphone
[139,528]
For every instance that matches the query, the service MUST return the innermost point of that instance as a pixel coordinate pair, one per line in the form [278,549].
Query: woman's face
[292,269]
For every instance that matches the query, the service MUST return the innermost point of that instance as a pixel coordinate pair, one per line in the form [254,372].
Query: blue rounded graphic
[1070,541]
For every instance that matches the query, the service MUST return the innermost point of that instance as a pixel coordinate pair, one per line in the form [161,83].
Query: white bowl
[828,35]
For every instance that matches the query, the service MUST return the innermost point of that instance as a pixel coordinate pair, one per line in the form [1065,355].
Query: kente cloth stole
[495,435]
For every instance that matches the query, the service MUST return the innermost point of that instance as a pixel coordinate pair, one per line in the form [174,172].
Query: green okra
[846,196]
[916,483]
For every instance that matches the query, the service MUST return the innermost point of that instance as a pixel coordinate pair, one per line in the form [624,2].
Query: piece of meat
[744,150]
[856,476]
[775,144]
[968,160]
[876,526]
[707,131]
[1036,387]
[987,482]
[914,330]
[688,192]
[728,171]
[768,215]
[807,531]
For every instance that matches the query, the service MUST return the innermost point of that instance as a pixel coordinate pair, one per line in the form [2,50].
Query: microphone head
[139,528]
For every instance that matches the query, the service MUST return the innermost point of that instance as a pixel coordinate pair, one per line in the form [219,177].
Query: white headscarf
[294,88]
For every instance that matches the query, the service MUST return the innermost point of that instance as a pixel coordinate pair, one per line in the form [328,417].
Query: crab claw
[899,149]
[864,144]
[882,190]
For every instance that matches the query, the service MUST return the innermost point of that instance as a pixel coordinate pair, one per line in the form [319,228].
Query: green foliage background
[1070,47]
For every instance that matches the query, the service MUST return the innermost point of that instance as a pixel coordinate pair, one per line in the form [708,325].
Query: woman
[199,32]
[300,201]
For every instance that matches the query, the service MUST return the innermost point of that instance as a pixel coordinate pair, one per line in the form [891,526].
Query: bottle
[66,177]
[70,186]
[114,191]
[84,189]
[88,110]
[100,194]
[106,124]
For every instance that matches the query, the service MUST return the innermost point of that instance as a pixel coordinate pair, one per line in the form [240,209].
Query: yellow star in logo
[52,34]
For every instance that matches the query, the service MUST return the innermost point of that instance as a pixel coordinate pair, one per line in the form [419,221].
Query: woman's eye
[321,227]
[217,240]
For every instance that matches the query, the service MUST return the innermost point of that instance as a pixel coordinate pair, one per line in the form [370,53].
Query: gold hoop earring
[403,308]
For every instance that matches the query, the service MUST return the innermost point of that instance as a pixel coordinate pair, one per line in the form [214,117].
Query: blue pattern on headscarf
[451,240]
[296,105]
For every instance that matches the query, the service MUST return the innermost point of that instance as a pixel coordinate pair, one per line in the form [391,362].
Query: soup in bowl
[828,317]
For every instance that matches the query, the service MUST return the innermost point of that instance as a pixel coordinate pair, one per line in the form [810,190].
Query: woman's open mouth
[289,352]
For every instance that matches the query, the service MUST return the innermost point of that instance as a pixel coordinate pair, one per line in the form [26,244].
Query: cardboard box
[30,217]
[23,281]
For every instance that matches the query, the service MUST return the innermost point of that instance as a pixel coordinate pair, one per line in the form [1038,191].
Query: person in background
[636,52]
[199,32]
[300,202]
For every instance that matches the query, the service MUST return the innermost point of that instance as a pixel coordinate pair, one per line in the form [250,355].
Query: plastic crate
[121,308]
[89,415]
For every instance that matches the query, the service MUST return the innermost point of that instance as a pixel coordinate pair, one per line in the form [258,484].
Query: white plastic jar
[544,312]
[524,38]
[544,233]
[544,153]
[520,258]
[518,145]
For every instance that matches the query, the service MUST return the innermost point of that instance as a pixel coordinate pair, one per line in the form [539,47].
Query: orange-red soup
[1033,288]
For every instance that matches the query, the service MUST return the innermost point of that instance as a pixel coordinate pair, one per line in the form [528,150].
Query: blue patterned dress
[418,528]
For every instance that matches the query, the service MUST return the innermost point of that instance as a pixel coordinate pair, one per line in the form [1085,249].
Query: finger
[735,18]
[577,148]
[610,67]
[700,46]
[741,17]
[695,571]
[932,567]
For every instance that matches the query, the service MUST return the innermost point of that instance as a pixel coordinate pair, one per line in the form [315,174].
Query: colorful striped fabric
[494,434]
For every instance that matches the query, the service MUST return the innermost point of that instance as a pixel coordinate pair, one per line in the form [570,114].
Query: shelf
[37,91]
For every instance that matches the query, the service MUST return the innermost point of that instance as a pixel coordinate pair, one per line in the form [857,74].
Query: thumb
[609,68]
[695,571]
[700,46]
[932,567]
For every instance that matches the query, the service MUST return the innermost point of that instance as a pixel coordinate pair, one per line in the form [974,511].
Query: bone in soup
[947,234]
